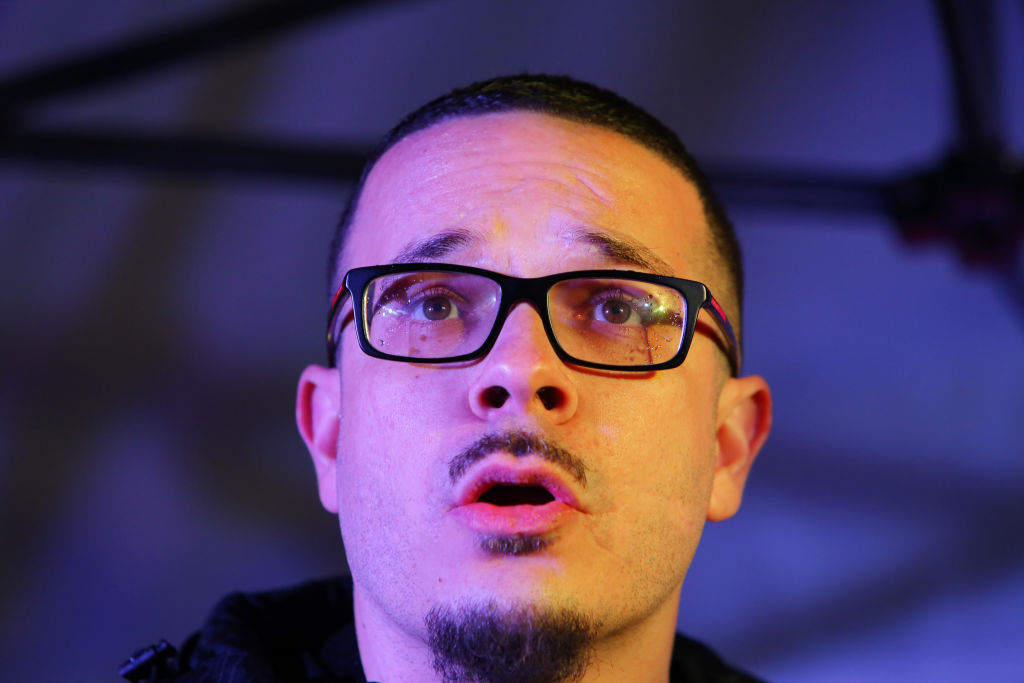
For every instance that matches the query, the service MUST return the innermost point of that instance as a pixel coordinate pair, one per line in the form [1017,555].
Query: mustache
[519,444]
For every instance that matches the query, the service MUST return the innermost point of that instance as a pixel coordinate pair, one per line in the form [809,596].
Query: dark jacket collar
[306,634]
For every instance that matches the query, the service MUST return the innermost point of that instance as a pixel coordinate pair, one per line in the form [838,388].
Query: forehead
[526,193]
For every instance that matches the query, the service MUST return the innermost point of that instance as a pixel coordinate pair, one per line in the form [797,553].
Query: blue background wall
[152,327]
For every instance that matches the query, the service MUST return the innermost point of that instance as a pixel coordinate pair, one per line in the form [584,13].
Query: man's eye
[438,308]
[615,311]
[436,304]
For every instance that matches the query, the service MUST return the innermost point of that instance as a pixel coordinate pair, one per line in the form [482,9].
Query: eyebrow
[623,250]
[434,247]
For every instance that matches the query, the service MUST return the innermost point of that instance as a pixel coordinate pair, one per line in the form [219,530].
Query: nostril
[495,396]
[550,397]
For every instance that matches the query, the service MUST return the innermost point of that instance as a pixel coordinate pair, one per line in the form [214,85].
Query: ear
[317,412]
[744,420]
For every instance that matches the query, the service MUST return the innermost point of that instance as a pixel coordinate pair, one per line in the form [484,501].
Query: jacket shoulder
[694,662]
[303,633]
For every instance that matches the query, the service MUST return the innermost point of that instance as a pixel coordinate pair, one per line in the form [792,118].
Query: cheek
[670,492]
[366,441]
[660,468]
[375,485]
[667,520]
[386,440]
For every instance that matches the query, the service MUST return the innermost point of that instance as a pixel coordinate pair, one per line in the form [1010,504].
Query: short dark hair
[574,100]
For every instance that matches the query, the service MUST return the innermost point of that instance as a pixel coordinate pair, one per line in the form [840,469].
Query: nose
[522,374]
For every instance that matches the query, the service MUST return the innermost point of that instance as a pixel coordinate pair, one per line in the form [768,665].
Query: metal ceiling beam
[188,155]
[801,189]
[969,28]
[211,156]
[160,48]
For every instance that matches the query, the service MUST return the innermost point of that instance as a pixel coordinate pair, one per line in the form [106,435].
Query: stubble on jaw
[488,643]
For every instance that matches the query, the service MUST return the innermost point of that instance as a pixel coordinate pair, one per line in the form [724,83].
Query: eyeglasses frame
[515,290]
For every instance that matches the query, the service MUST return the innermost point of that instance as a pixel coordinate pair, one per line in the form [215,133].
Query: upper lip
[503,468]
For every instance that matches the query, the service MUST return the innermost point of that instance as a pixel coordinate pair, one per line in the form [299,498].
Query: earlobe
[317,409]
[744,420]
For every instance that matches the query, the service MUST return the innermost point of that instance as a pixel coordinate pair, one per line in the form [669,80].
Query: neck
[639,653]
[388,652]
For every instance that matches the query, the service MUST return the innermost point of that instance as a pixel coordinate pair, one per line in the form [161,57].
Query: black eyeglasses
[606,319]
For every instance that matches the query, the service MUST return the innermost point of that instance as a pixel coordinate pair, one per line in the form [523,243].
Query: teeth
[516,494]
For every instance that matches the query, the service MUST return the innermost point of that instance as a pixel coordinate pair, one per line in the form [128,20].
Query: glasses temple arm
[336,303]
[733,350]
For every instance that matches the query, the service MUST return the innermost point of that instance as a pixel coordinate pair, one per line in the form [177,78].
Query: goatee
[492,644]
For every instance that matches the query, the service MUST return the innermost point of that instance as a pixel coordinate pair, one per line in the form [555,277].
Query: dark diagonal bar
[796,189]
[969,30]
[158,48]
[190,156]
[308,161]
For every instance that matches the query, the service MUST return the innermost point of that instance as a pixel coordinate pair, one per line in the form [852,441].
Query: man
[535,405]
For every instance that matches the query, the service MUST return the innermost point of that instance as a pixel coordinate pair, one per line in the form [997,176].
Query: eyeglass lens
[438,314]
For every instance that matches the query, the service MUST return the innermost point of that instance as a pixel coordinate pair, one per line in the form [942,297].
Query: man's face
[527,195]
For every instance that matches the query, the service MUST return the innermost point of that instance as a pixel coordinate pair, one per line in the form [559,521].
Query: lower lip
[513,519]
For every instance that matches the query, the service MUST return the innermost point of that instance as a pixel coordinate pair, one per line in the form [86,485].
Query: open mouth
[506,501]
[507,495]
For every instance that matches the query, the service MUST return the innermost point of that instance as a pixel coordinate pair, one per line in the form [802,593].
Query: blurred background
[170,174]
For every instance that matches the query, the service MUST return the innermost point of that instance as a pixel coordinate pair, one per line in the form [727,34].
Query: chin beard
[521,644]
